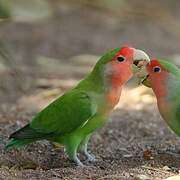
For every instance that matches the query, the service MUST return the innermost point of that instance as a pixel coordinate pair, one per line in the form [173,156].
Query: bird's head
[120,64]
[158,72]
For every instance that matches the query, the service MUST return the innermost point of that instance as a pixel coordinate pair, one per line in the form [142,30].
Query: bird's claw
[90,158]
[78,162]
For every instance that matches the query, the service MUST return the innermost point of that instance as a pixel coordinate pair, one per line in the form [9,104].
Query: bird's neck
[113,96]
[103,87]
[159,87]
[104,81]
[109,87]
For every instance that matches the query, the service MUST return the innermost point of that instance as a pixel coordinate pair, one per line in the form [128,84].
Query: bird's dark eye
[157,69]
[121,58]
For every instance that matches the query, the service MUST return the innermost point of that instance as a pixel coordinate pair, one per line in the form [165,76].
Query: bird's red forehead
[126,51]
[153,63]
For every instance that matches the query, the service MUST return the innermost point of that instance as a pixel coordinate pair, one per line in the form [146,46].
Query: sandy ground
[135,143]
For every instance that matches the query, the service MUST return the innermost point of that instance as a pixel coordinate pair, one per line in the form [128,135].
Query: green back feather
[69,111]
[107,57]
[75,107]
[173,97]
[17,143]
[170,67]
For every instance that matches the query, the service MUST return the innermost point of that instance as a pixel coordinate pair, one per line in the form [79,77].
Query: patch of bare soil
[135,143]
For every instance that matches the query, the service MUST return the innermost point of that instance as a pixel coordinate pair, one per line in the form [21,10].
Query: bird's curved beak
[140,60]
[146,81]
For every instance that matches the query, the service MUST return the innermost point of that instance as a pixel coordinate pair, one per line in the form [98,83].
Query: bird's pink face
[121,66]
[156,77]
[156,71]
[155,68]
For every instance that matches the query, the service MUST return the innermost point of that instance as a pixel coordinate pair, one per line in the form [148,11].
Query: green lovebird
[72,118]
[164,78]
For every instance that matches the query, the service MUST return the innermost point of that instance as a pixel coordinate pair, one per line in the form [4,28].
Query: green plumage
[173,100]
[65,114]
[167,82]
[71,118]
[170,67]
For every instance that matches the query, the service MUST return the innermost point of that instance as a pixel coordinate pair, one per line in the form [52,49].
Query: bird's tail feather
[17,143]
[23,136]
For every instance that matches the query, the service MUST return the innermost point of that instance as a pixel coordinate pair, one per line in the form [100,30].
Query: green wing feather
[65,114]
[173,82]
[178,112]
[174,99]
[177,106]
[62,116]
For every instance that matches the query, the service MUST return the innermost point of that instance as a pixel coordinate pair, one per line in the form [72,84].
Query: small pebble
[127,155]
[141,177]
[166,168]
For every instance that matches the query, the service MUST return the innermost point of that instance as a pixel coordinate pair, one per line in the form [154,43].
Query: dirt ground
[134,142]
[51,57]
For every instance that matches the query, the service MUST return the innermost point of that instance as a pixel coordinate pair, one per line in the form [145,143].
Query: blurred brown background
[38,38]
[47,46]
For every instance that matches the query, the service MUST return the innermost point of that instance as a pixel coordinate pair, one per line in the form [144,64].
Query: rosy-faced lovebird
[164,78]
[72,118]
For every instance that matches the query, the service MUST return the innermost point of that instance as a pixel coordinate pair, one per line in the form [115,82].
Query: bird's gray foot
[83,149]
[89,156]
[78,162]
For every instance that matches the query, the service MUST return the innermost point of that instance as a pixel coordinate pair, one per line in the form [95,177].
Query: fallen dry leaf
[147,154]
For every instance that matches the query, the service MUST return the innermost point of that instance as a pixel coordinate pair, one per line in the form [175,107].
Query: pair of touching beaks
[141,59]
